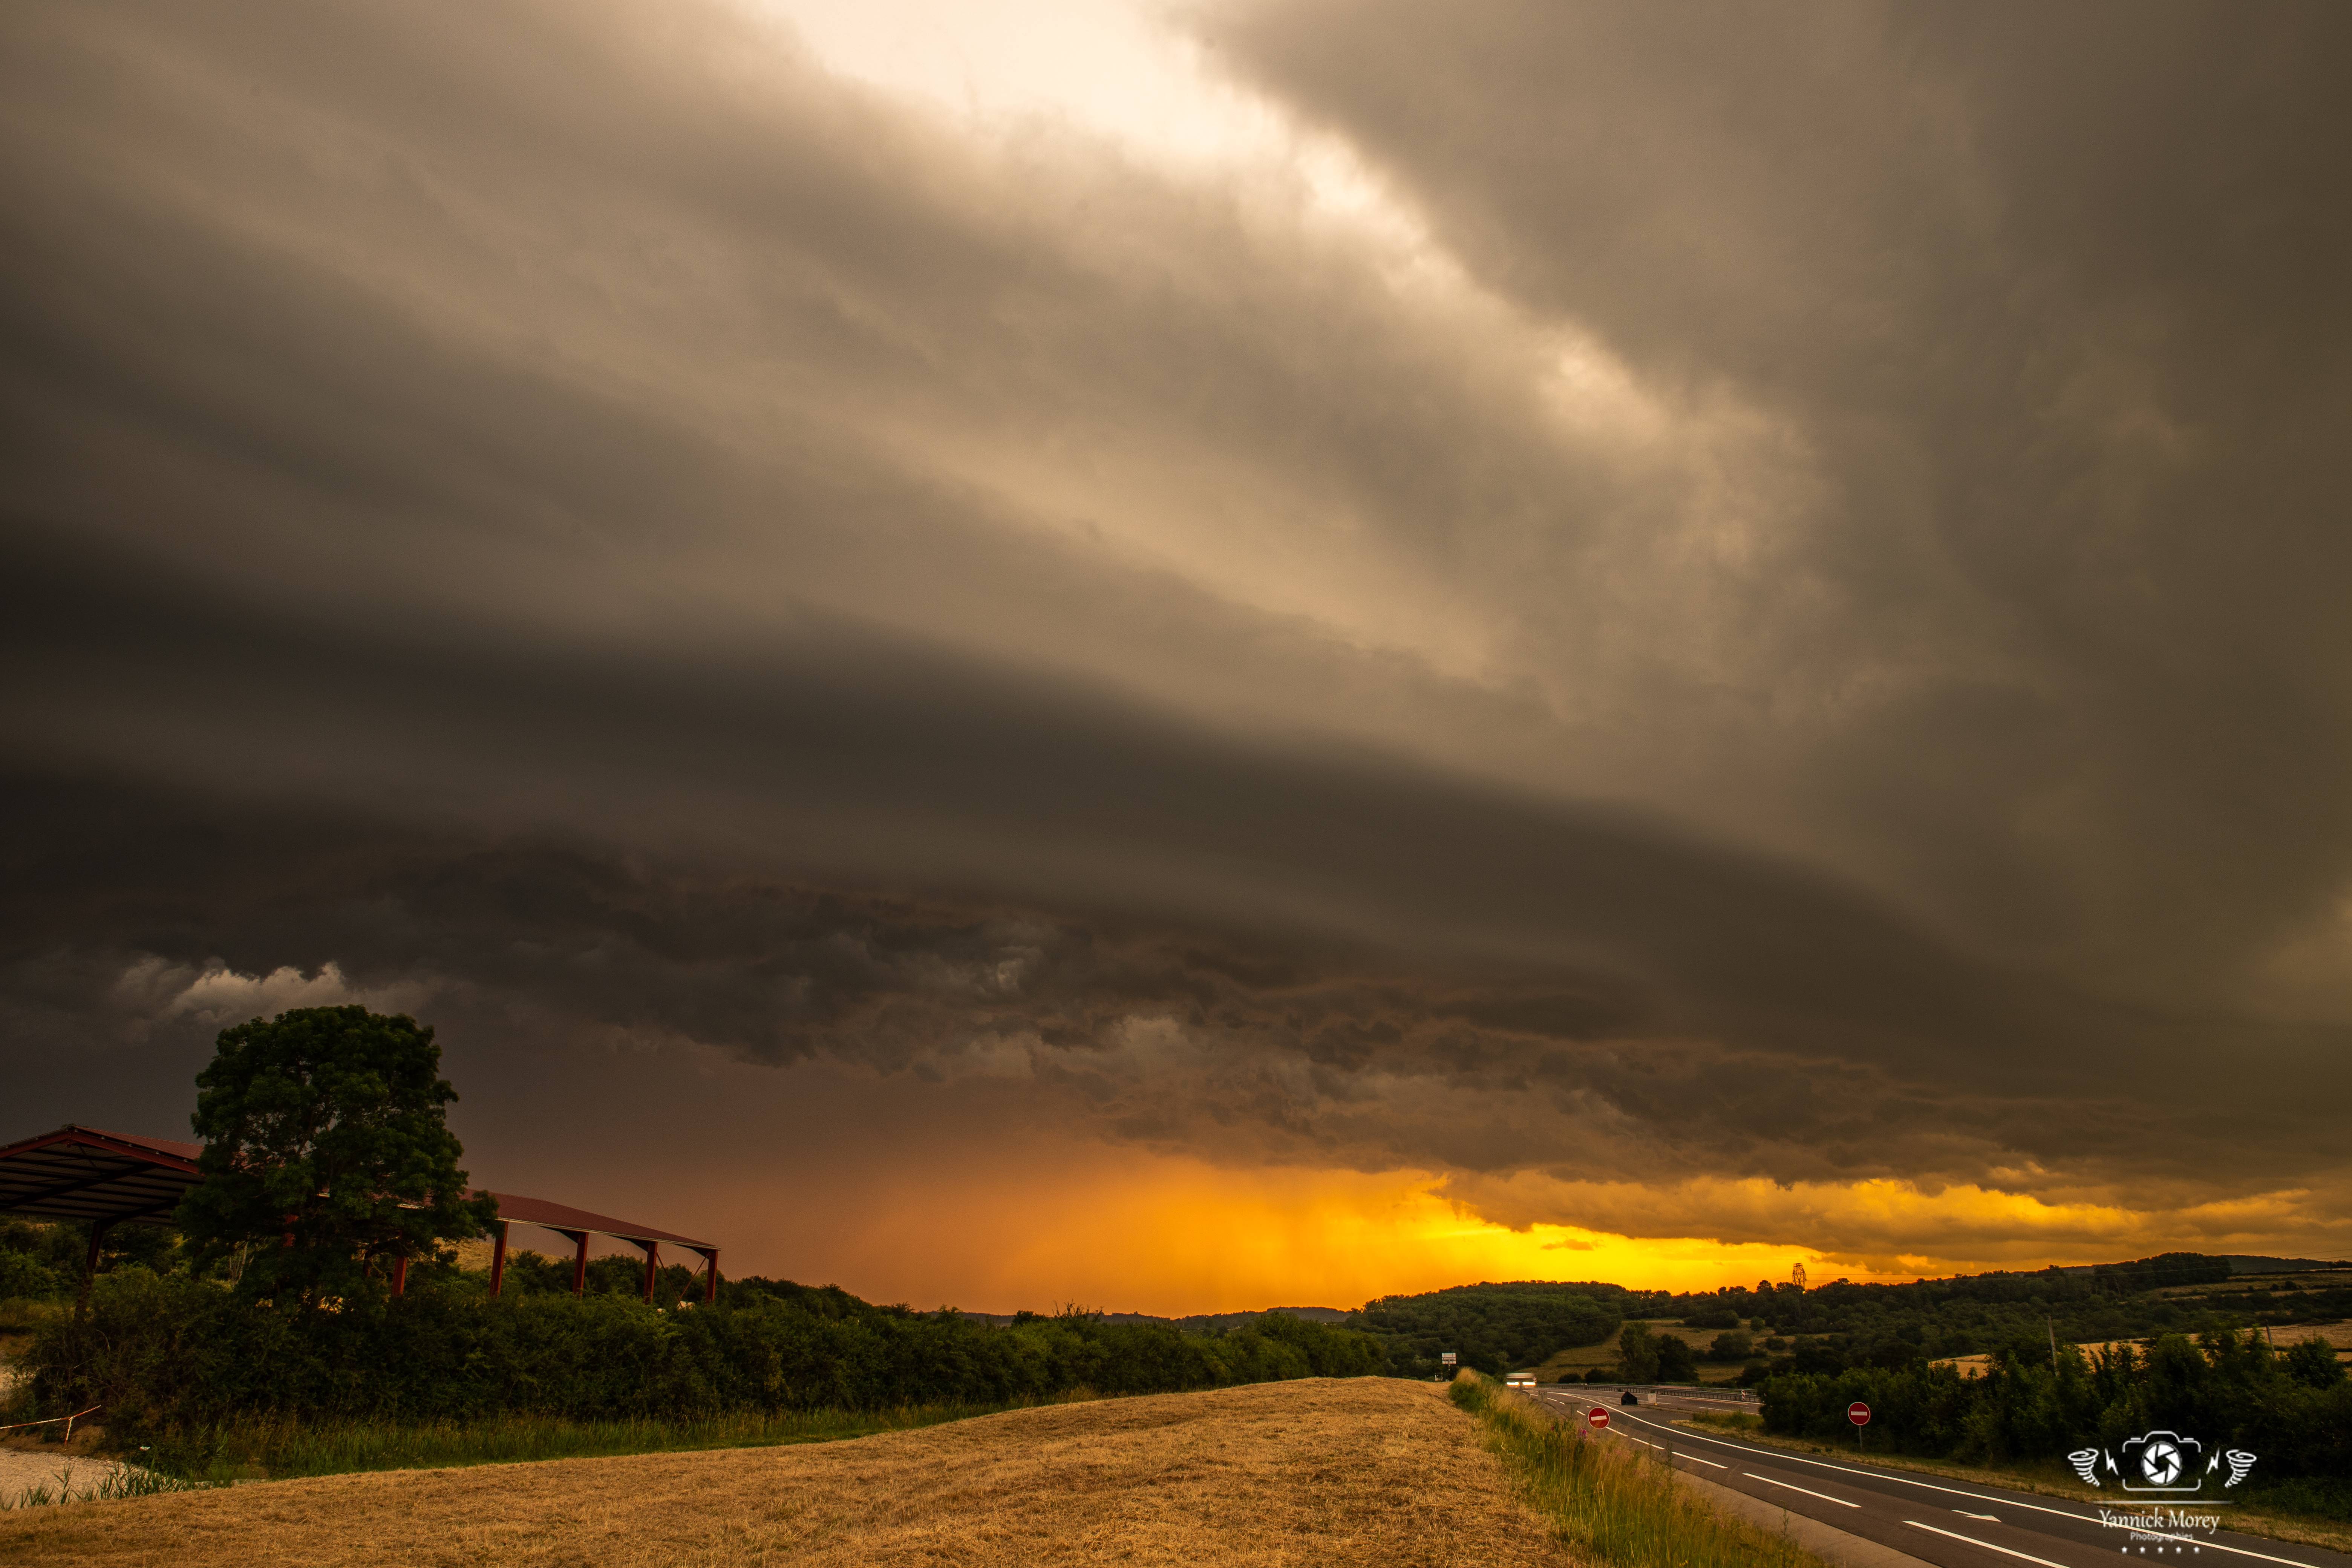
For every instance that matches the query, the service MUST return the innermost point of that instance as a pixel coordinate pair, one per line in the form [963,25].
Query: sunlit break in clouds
[1193,657]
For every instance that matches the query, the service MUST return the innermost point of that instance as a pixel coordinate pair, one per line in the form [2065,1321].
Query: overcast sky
[1191,657]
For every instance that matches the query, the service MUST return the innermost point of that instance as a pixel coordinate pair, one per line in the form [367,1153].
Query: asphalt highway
[1952,1523]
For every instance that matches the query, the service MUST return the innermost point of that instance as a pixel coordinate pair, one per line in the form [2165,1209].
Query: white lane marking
[1980,1496]
[1988,1546]
[1823,1496]
[1989,1519]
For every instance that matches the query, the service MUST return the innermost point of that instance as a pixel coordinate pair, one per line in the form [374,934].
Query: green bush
[40,1261]
[22,1275]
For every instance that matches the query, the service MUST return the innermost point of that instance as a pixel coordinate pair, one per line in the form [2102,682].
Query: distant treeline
[2291,1407]
[1778,1329]
[1497,1328]
[1891,1326]
[168,1352]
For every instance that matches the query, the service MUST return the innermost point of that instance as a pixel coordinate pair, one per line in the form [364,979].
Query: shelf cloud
[1732,635]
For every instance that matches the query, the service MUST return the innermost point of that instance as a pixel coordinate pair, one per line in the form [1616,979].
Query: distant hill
[2240,1263]
[1207,1322]
[1200,1323]
[1499,1325]
[1235,1319]
[2167,1268]
[1496,1327]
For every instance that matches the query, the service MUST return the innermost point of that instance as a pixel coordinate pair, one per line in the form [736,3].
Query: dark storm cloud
[2057,298]
[1362,959]
[592,524]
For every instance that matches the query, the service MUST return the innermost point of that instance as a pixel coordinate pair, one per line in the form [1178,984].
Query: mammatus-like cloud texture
[1765,661]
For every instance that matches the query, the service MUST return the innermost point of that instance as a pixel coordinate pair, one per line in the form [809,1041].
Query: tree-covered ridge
[1841,1324]
[1776,1328]
[1496,1328]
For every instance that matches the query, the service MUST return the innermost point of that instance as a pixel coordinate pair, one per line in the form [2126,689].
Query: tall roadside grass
[277,1450]
[1612,1502]
[111,1481]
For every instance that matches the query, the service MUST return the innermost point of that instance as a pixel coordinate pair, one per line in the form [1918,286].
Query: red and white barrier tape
[53,1420]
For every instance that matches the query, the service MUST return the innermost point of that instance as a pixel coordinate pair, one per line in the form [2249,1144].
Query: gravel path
[22,1468]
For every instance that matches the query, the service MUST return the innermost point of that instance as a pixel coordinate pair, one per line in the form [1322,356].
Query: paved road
[1954,1524]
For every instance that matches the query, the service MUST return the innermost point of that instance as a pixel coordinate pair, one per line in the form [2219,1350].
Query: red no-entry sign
[1597,1416]
[1858,1413]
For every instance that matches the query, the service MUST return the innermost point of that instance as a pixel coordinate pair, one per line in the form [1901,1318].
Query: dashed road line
[1987,1545]
[1794,1487]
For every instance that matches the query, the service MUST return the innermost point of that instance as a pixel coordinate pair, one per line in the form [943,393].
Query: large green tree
[327,1154]
[1637,1353]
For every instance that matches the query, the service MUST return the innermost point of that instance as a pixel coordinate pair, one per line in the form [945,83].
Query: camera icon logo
[2163,1462]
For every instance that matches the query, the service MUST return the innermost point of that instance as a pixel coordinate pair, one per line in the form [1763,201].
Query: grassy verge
[1616,1505]
[2249,1516]
[276,1450]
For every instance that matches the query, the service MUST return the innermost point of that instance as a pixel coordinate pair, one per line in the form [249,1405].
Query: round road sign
[1597,1416]
[1858,1413]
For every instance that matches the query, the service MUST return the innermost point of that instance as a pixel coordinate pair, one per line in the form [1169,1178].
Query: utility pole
[2052,1324]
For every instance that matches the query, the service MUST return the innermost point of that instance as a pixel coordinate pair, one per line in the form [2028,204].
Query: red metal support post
[652,1262]
[499,1258]
[710,1288]
[400,1275]
[90,1268]
[580,1267]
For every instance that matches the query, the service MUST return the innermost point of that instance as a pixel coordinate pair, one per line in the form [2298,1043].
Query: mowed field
[1366,1470]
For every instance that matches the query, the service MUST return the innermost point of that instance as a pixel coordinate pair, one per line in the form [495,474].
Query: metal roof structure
[577,1225]
[90,1176]
[516,1209]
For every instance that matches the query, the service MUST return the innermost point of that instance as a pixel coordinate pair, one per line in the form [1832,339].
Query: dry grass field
[2336,1334]
[1315,1472]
